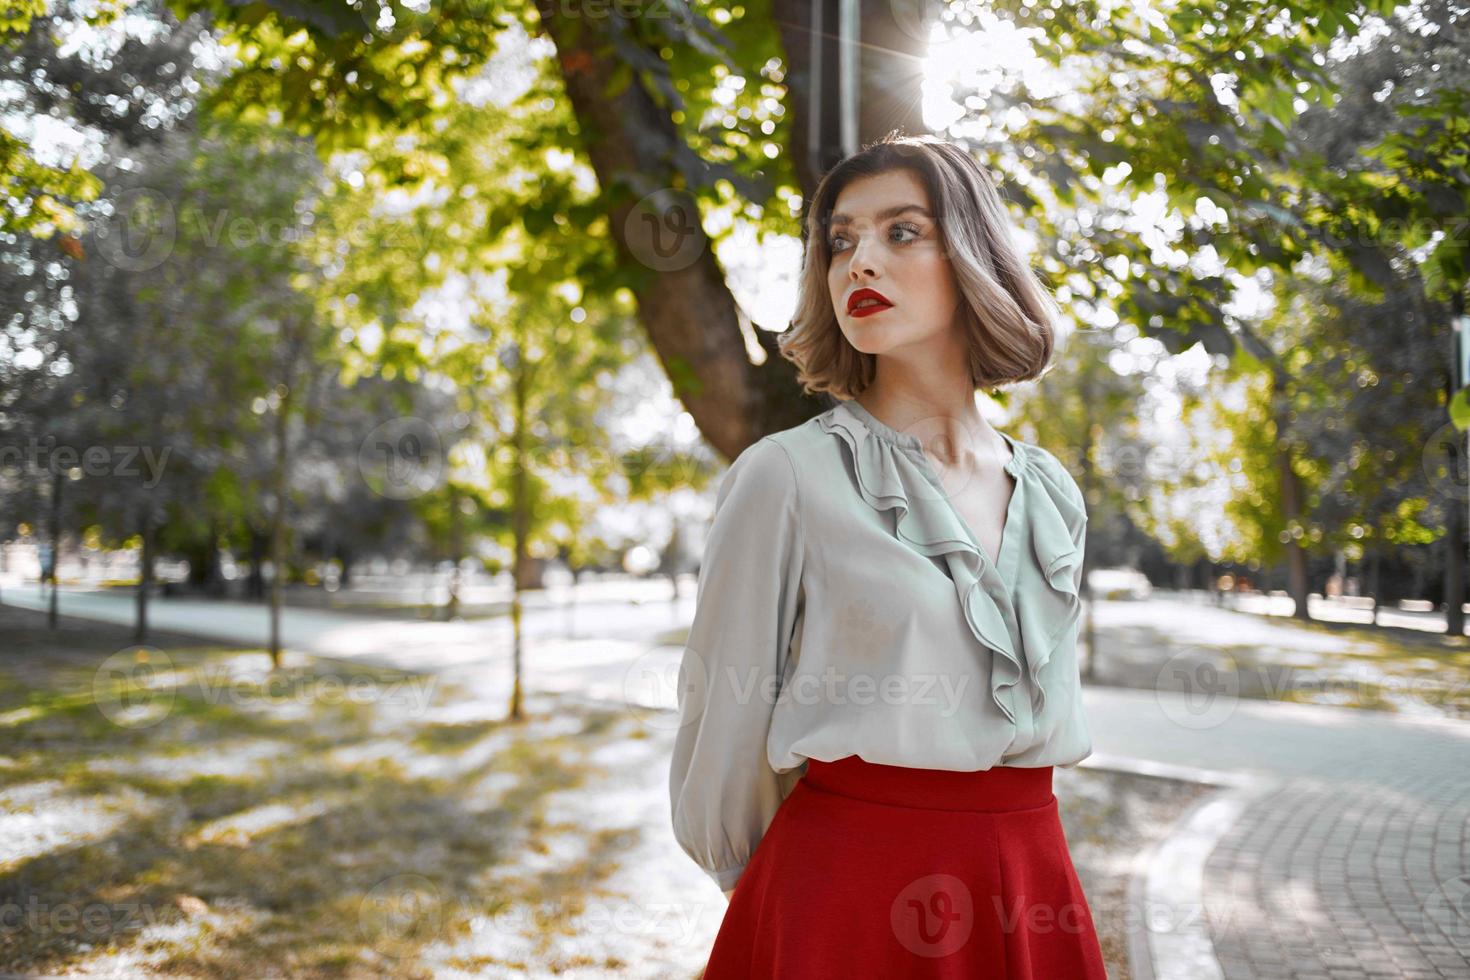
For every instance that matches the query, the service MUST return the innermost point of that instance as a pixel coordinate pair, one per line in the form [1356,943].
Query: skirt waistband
[997,789]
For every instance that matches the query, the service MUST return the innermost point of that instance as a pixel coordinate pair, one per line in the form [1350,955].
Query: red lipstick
[878,302]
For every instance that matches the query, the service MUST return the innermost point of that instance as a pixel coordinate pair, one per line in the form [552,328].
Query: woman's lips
[871,309]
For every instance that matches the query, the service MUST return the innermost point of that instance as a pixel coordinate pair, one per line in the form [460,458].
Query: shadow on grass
[1372,670]
[266,833]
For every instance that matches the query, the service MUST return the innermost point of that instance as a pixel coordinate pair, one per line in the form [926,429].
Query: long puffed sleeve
[1080,538]
[722,789]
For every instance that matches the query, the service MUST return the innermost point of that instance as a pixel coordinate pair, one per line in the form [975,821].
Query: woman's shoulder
[805,438]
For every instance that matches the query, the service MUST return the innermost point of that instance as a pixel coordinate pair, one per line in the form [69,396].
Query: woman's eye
[834,243]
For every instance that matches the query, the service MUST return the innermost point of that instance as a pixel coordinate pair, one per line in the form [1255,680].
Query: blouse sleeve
[722,789]
[1081,537]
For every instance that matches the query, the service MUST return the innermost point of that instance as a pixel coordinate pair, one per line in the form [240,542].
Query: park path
[1337,847]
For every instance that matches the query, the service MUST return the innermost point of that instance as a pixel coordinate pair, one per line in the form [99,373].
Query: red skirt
[871,870]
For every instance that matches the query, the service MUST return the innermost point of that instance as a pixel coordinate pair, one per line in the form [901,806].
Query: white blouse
[844,608]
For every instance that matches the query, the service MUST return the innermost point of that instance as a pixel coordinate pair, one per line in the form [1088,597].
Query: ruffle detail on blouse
[889,477]
[1054,516]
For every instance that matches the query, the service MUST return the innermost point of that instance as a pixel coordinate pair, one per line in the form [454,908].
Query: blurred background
[367,371]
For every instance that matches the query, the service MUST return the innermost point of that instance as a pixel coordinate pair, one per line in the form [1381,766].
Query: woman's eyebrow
[893,212]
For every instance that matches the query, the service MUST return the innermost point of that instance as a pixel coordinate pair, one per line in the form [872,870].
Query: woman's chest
[988,506]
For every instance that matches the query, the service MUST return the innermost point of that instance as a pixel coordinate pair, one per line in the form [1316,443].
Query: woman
[882,669]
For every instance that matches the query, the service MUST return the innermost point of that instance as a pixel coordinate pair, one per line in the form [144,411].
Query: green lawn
[328,822]
[1280,658]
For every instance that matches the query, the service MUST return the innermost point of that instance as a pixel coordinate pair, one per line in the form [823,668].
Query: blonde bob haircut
[1007,314]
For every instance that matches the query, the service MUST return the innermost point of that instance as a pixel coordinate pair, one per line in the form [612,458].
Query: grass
[1359,666]
[221,822]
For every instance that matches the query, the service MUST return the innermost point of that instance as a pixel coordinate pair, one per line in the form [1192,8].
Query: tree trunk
[145,573]
[1454,566]
[692,320]
[278,529]
[1291,503]
[1454,570]
[520,525]
[52,612]
[1377,559]
[456,553]
[255,583]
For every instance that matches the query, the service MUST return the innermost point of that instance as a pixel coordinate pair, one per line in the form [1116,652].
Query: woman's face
[897,253]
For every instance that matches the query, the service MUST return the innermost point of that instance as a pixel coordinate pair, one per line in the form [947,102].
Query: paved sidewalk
[1348,851]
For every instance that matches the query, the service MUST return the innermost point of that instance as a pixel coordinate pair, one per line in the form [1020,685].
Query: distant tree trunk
[1454,570]
[145,572]
[1291,500]
[278,526]
[204,568]
[344,555]
[52,612]
[571,606]
[1373,577]
[520,528]
[456,553]
[1454,538]
[255,583]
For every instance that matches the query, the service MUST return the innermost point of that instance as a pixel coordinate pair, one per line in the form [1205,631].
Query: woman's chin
[872,339]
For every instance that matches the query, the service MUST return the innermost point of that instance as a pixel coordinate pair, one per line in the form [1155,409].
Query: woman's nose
[863,262]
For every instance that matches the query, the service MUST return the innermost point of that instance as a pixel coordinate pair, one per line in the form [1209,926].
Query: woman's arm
[722,789]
